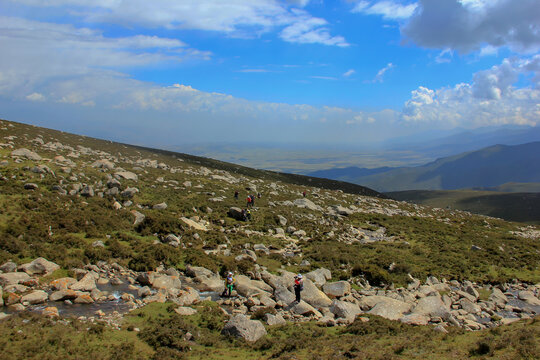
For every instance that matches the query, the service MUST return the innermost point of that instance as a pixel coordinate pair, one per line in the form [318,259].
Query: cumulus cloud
[237,18]
[35,97]
[471,25]
[387,9]
[490,99]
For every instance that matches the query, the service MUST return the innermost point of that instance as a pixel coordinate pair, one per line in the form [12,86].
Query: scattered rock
[240,326]
[185,311]
[25,153]
[39,266]
[337,289]
[13,278]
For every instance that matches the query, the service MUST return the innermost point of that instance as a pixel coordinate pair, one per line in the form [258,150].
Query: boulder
[247,287]
[498,297]
[235,213]
[25,153]
[13,278]
[282,220]
[272,320]
[62,283]
[432,306]
[87,191]
[50,312]
[87,283]
[103,164]
[469,306]
[319,276]
[31,186]
[39,266]
[139,218]
[129,192]
[128,175]
[529,297]
[241,326]
[185,311]
[160,206]
[304,309]
[345,310]
[9,266]
[307,204]
[313,296]
[343,211]
[84,299]
[35,297]
[368,302]
[66,294]
[187,297]
[415,319]
[285,280]
[337,289]
[282,294]
[193,224]
[166,282]
[391,309]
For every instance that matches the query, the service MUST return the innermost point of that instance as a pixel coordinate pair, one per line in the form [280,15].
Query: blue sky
[168,72]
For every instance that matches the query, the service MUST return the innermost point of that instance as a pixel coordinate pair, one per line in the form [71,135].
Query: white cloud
[387,9]
[237,18]
[35,97]
[380,74]
[444,56]
[490,99]
[349,72]
[310,30]
[471,25]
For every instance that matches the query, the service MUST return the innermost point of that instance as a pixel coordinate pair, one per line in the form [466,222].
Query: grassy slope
[523,207]
[436,243]
[162,334]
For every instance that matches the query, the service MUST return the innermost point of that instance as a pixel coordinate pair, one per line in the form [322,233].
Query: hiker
[259,195]
[244,214]
[229,285]
[252,200]
[298,286]
[304,194]
[236,194]
[248,215]
[248,201]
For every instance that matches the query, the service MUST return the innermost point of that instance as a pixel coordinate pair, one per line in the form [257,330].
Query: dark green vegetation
[166,335]
[524,207]
[489,167]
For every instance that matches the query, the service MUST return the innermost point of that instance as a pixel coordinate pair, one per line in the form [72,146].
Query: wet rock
[144,291]
[159,297]
[241,326]
[188,296]
[13,278]
[84,299]
[35,297]
[66,294]
[62,283]
[529,297]
[166,282]
[337,289]
[51,312]
[87,283]
[39,266]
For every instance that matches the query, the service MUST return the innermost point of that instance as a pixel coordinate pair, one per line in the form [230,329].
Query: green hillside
[147,220]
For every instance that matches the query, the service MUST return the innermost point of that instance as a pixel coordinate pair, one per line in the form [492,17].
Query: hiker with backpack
[249,203]
[298,286]
[236,194]
[229,285]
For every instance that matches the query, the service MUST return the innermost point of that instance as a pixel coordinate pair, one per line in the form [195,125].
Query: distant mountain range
[490,167]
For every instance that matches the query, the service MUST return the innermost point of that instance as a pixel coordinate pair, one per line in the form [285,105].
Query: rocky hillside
[133,243]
